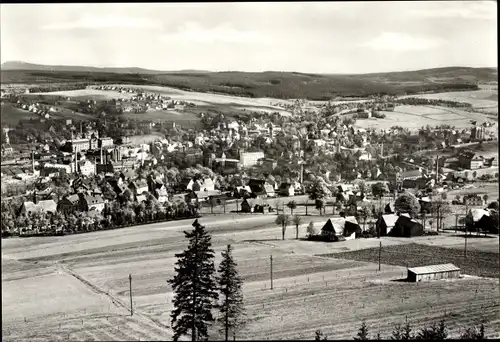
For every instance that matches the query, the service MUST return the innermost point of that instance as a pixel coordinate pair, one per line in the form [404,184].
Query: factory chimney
[76,162]
[437,168]
[301,173]
[33,161]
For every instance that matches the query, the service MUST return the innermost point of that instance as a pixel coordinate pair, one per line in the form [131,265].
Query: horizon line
[242,71]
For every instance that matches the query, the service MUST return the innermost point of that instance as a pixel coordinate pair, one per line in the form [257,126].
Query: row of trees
[199,291]
[115,214]
[433,331]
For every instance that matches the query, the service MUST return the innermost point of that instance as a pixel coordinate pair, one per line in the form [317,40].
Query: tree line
[432,331]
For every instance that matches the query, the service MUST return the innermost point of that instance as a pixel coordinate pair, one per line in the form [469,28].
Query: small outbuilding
[433,272]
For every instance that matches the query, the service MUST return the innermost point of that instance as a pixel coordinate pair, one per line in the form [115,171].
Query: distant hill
[273,84]
[17,65]
[481,75]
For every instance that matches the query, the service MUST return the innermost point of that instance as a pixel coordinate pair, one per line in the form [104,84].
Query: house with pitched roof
[385,224]
[346,227]
[88,203]
[46,206]
[69,204]
[138,186]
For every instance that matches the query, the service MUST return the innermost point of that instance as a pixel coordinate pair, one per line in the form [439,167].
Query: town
[178,171]
[264,171]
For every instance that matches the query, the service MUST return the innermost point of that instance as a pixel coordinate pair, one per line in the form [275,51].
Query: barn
[433,272]
[385,223]
[406,227]
[339,226]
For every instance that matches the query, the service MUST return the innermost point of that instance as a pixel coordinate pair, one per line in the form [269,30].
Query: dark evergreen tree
[229,283]
[362,333]
[194,286]
[320,336]
[433,332]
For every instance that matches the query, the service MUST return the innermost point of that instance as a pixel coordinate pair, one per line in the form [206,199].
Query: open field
[96,265]
[490,189]
[11,115]
[89,94]
[487,97]
[477,263]
[213,100]
[414,117]
[183,118]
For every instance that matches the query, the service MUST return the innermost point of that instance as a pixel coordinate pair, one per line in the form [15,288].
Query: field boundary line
[116,301]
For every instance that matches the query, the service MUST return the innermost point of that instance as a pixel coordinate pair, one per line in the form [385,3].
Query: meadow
[11,115]
[89,273]
[486,97]
[414,117]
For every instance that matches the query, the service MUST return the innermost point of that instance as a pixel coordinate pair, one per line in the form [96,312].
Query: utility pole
[271,272]
[130,284]
[379,254]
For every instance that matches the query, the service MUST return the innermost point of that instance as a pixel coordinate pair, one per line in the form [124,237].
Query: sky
[315,37]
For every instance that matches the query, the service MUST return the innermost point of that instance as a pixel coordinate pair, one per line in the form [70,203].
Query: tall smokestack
[33,161]
[100,160]
[437,168]
[301,174]
[382,150]
[76,162]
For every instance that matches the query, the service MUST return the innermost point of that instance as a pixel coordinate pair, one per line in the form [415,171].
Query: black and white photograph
[225,171]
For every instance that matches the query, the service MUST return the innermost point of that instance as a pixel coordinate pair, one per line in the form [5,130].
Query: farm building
[385,224]
[256,205]
[481,220]
[433,272]
[406,227]
[286,189]
[347,227]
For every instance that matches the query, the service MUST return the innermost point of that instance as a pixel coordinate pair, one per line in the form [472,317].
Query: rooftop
[434,269]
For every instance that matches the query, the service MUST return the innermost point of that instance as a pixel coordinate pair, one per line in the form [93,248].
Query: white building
[86,167]
[248,159]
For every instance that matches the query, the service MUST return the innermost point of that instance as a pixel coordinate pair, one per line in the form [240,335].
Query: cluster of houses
[137,100]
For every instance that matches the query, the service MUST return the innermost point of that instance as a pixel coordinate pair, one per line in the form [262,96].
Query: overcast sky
[335,37]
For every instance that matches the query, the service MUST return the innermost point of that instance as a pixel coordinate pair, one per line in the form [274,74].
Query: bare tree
[297,221]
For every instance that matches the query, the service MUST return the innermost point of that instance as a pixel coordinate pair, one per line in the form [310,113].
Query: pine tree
[362,333]
[194,286]
[229,284]
[319,336]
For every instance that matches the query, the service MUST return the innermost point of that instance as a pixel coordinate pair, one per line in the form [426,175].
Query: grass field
[11,115]
[88,94]
[310,292]
[183,118]
[477,263]
[214,100]
[414,117]
[483,98]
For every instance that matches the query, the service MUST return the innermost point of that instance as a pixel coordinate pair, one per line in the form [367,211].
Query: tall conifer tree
[231,304]
[194,286]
